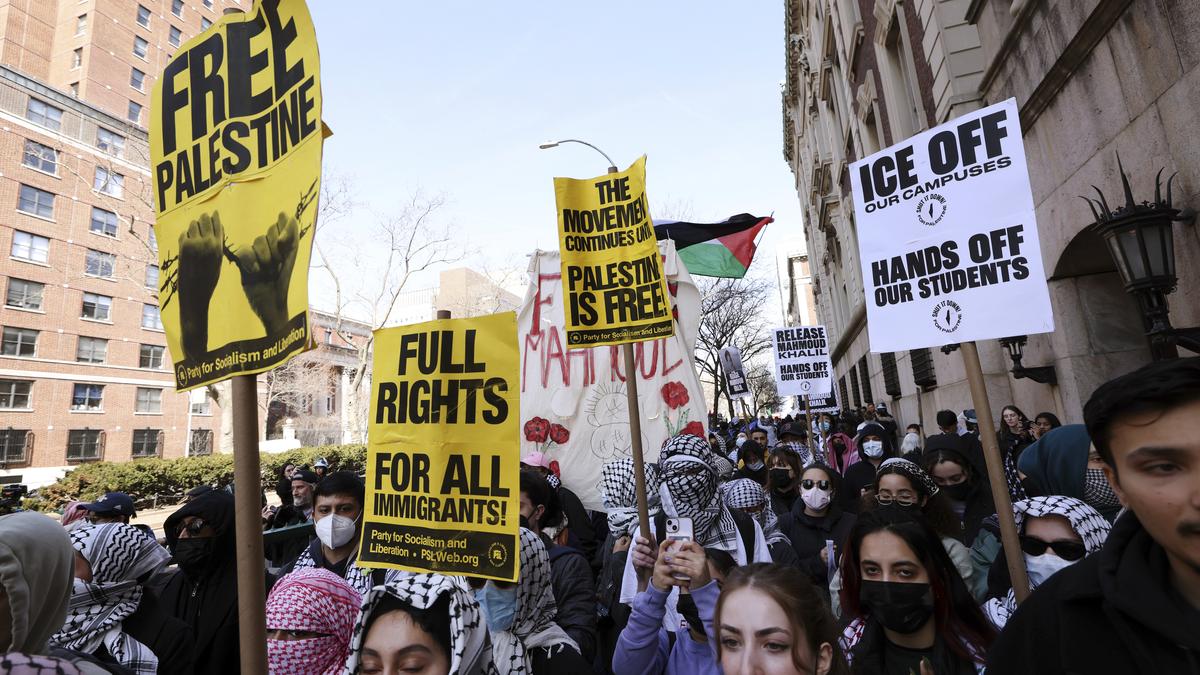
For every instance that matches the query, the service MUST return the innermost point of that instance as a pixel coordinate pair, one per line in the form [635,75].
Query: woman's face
[1043,425]
[949,473]
[288,470]
[397,645]
[758,638]
[896,488]
[1011,418]
[779,463]
[885,557]
[1051,529]
[816,476]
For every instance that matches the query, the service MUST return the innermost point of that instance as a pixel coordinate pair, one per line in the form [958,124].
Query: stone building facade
[1091,79]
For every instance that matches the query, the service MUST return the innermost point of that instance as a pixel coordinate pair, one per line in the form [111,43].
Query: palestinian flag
[722,249]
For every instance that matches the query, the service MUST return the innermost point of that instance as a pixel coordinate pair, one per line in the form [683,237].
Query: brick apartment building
[84,371]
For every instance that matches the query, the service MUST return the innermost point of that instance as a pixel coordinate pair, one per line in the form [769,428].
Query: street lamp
[612,166]
[1016,348]
[1142,245]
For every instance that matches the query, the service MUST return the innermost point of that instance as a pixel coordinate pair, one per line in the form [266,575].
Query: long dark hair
[797,597]
[958,620]
[1004,425]
[1050,417]
[936,511]
[792,459]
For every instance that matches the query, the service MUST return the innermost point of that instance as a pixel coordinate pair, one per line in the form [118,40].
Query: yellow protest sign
[235,151]
[612,273]
[443,475]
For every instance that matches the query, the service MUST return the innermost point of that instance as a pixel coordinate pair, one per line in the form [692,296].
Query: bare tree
[764,391]
[730,315]
[301,390]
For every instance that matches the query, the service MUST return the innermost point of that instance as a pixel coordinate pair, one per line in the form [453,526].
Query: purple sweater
[644,644]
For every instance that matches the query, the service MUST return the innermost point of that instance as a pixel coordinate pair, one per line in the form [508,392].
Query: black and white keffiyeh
[360,578]
[119,555]
[534,626]
[806,455]
[468,633]
[689,490]
[1087,522]
[915,474]
[620,495]
[16,663]
[748,495]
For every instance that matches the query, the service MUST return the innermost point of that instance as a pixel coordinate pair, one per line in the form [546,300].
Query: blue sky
[453,98]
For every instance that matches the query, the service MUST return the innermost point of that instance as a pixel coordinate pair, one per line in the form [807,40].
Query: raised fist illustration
[200,259]
[266,268]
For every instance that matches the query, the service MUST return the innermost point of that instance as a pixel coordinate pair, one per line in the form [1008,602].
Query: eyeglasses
[808,484]
[902,500]
[193,528]
[1067,550]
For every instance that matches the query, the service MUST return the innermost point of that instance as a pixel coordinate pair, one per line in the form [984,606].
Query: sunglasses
[808,484]
[1067,550]
[193,528]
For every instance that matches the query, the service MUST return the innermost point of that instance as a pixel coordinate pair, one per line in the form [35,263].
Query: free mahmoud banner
[235,146]
[443,480]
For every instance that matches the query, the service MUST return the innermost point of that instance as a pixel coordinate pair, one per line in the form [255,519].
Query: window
[174,36]
[13,445]
[149,400]
[202,440]
[134,114]
[110,141]
[205,23]
[143,16]
[845,392]
[91,350]
[24,294]
[88,397]
[203,406]
[84,444]
[103,222]
[40,157]
[208,4]
[44,114]
[30,247]
[74,89]
[151,356]
[864,373]
[99,264]
[146,443]
[137,79]
[151,318]
[177,8]
[19,342]
[140,46]
[153,240]
[36,202]
[891,377]
[14,394]
[854,387]
[109,183]
[922,367]
[77,58]
[152,277]
[97,307]
[81,24]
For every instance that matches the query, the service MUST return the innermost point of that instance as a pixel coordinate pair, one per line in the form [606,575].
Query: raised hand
[266,268]
[200,257]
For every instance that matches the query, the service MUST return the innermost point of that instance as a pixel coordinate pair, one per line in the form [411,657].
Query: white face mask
[1041,567]
[815,498]
[335,531]
[873,449]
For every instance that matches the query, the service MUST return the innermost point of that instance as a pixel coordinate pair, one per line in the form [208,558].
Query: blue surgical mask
[825,427]
[499,606]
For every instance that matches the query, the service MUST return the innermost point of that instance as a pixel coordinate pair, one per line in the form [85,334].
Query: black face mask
[780,479]
[901,607]
[688,610]
[958,492]
[193,554]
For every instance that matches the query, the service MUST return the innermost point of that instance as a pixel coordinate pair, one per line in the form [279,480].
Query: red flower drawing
[537,429]
[559,434]
[675,395]
[694,428]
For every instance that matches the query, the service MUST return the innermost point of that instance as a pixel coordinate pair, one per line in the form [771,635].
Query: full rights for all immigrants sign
[948,237]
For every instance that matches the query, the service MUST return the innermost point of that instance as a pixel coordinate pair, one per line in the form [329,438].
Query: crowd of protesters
[817,546]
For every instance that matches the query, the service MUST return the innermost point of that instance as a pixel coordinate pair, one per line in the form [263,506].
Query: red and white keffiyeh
[318,601]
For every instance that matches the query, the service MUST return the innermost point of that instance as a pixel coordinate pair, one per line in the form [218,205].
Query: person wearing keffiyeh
[444,614]
[751,498]
[310,616]
[1086,525]
[108,592]
[620,498]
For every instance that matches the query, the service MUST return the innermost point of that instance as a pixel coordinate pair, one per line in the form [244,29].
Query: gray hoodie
[37,566]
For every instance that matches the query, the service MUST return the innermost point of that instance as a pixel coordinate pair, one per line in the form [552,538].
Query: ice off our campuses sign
[948,238]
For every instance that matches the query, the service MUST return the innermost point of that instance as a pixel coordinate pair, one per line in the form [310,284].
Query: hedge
[143,479]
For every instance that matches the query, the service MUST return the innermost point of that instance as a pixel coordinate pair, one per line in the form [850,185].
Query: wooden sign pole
[247,502]
[995,467]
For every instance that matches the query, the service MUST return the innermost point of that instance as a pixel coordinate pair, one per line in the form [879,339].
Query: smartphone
[679,529]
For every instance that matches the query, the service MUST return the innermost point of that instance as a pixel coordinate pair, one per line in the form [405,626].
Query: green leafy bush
[143,479]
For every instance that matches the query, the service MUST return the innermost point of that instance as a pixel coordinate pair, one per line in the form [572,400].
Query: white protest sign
[948,238]
[735,374]
[802,365]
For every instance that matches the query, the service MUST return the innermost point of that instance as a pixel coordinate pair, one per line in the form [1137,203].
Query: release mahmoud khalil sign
[802,365]
[948,237]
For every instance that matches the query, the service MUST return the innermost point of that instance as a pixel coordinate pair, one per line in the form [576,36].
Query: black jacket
[575,595]
[860,475]
[808,536]
[782,502]
[979,506]
[1113,612]
[169,638]
[283,488]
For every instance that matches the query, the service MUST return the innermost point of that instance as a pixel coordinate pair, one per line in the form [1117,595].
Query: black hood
[215,507]
[889,448]
[1134,578]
